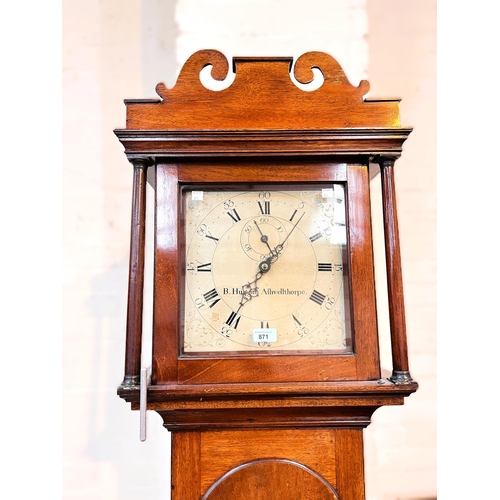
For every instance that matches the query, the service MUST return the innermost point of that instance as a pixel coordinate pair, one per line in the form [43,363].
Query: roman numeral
[233,320]
[317,297]
[234,215]
[317,236]
[324,266]
[293,215]
[265,207]
[211,297]
[297,322]
[264,326]
[212,238]
[206,268]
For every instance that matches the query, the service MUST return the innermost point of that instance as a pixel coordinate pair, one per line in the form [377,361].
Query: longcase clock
[265,363]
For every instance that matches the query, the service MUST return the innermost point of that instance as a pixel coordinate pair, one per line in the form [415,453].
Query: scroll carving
[263,96]
[190,73]
[331,70]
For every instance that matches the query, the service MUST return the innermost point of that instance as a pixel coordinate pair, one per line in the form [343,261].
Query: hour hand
[250,290]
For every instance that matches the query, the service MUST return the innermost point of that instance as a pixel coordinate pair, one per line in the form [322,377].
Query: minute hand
[279,248]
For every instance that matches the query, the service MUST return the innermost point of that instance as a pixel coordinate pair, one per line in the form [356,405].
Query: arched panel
[271,479]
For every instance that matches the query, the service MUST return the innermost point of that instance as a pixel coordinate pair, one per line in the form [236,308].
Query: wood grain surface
[248,426]
[262,96]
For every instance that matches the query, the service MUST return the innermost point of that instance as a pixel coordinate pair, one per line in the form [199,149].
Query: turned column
[136,275]
[400,370]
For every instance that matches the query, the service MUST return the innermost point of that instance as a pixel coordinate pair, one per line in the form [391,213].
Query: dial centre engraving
[260,234]
[284,283]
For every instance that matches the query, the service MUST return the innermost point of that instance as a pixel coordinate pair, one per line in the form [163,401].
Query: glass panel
[266,270]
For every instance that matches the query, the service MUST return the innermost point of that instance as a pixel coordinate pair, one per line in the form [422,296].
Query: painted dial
[264,270]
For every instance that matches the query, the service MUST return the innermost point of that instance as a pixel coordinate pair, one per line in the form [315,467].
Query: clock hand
[279,248]
[263,237]
[250,290]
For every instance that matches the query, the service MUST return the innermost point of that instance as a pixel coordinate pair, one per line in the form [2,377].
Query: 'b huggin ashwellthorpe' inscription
[265,291]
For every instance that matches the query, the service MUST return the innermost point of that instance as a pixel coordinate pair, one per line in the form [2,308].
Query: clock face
[265,270]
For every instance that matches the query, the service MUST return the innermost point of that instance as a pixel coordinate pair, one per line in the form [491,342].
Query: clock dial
[265,270]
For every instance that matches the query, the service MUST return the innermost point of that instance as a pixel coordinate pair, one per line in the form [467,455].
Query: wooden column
[136,275]
[400,370]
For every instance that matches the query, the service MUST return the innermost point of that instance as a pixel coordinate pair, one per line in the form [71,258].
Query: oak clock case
[265,363]
[265,270]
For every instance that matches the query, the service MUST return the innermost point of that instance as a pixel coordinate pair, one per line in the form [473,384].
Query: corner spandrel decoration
[263,96]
